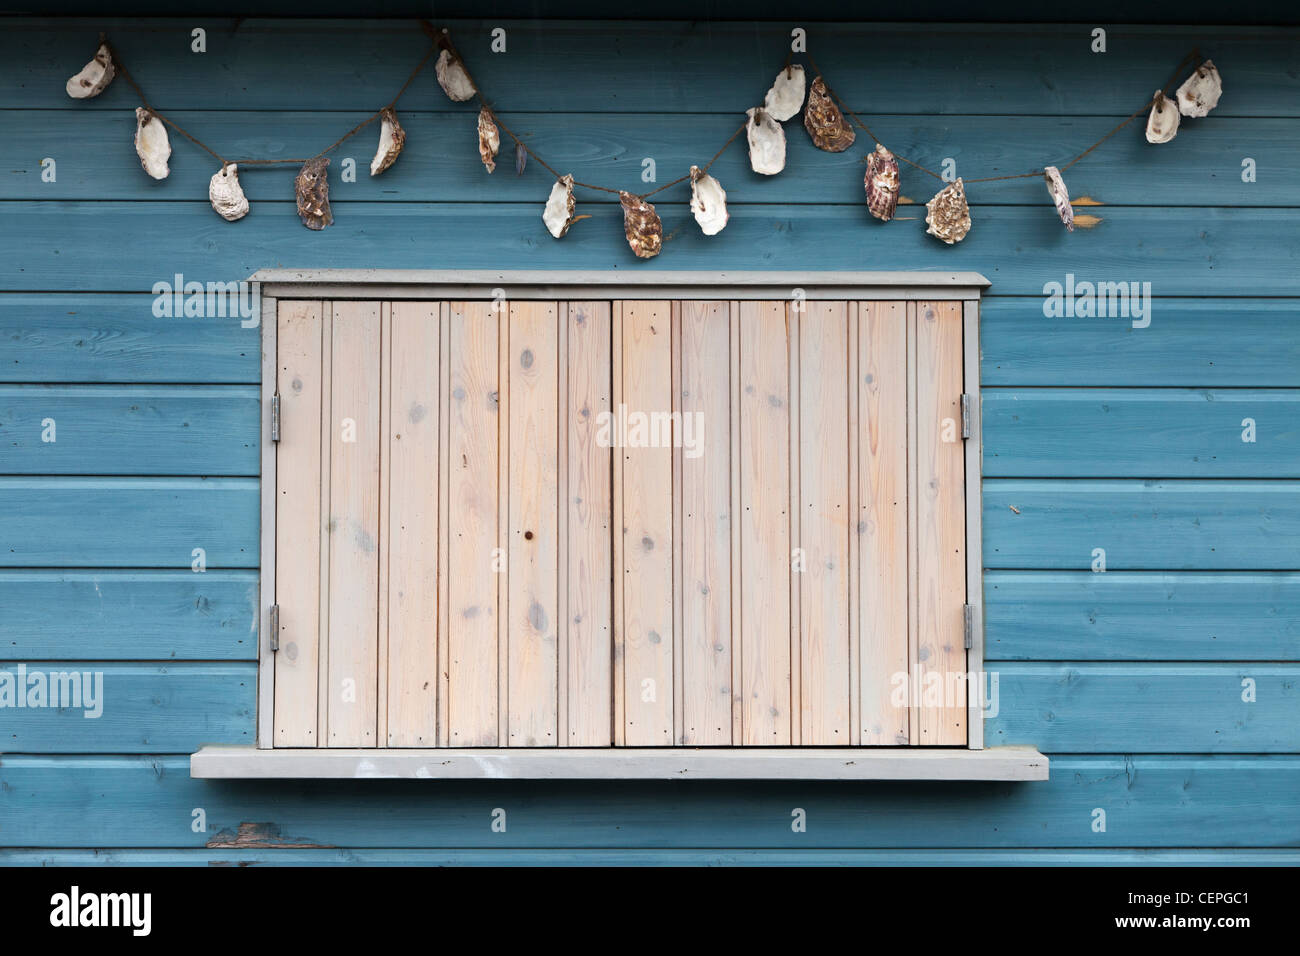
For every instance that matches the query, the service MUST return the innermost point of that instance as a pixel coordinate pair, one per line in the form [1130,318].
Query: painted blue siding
[1098,434]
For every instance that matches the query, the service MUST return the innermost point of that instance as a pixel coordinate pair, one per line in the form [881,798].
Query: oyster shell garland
[313,191]
[489,140]
[881,183]
[641,225]
[785,98]
[94,76]
[947,216]
[558,214]
[1200,92]
[226,195]
[708,202]
[452,78]
[824,121]
[391,139]
[1060,196]
[1162,124]
[766,142]
[151,143]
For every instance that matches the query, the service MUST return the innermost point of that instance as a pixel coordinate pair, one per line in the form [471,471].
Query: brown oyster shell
[313,191]
[946,215]
[391,140]
[489,139]
[641,225]
[824,121]
[881,183]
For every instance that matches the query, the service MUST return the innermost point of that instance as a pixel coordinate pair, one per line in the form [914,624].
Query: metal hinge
[274,625]
[275,417]
[965,414]
[968,618]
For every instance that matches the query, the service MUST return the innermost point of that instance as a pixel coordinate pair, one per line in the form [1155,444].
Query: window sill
[668,763]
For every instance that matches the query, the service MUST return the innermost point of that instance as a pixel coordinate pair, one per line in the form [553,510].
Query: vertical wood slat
[532,621]
[737,519]
[588,528]
[474,570]
[675,393]
[323,524]
[940,509]
[798,559]
[354,525]
[411,538]
[297,522]
[708,638]
[855,529]
[620,528]
[765,524]
[882,577]
[646,581]
[823,522]
[385,430]
[443,671]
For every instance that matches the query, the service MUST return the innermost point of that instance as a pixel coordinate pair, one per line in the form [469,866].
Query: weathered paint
[1097,434]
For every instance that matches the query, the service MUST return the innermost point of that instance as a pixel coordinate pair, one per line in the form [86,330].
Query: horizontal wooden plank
[128,522]
[77,246]
[1190,342]
[1147,616]
[570,856]
[129,430]
[622,763]
[55,337]
[659,66]
[1166,801]
[1141,432]
[1147,708]
[440,161]
[129,708]
[128,615]
[1141,525]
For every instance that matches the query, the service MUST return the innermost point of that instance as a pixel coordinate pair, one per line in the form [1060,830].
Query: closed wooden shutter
[629,523]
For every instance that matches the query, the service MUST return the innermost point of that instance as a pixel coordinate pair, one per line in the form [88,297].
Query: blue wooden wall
[1098,434]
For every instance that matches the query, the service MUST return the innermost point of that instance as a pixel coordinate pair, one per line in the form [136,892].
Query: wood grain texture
[299,358]
[354,533]
[646,574]
[534,526]
[824,521]
[411,473]
[709,639]
[882,524]
[473,567]
[938,671]
[765,545]
[588,526]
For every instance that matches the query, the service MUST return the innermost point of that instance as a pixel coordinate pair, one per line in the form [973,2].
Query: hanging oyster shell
[1201,91]
[558,214]
[766,142]
[94,76]
[824,121]
[947,215]
[313,190]
[391,140]
[641,225]
[708,202]
[452,77]
[1162,124]
[785,98]
[521,158]
[881,183]
[151,143]
[1060,196]
[489,140]
[226,195]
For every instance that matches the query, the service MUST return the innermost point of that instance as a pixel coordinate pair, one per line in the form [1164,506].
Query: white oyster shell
[94,76]
[785,98]
[708,202]
[1200,92]
[391,139]
[226,195]
[1060,196]
[558,214]
[452,77]
[1162,124]
[151,143]
[766,142]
